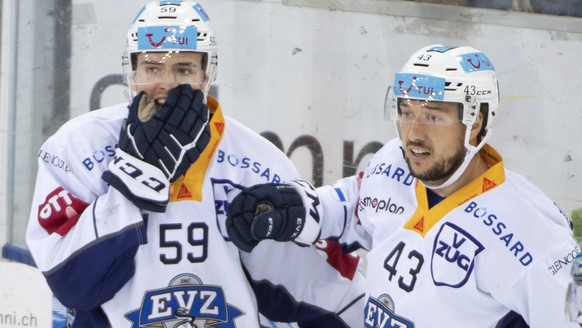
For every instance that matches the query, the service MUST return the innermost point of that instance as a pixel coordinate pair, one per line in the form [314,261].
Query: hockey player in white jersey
[131,232]
[455,239]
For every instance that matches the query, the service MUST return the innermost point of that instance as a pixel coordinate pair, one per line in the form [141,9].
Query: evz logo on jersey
[380,314]
[453,256]
[187,303]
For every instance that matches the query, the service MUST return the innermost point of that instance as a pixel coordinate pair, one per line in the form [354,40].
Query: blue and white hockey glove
[283,212]
[157,146]
[174,136]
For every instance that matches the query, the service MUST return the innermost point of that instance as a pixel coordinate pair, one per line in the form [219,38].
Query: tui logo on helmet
[167,37]
[475,62]
[419,86]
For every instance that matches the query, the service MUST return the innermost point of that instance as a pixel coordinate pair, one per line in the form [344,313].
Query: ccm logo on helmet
[471,90]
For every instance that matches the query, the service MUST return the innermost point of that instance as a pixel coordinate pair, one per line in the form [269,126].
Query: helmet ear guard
[471,111]
[171,27]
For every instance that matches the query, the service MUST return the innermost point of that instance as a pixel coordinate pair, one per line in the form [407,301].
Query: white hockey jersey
[498,244]
[179,268]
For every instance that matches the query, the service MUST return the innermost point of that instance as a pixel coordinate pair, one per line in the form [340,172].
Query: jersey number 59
[171,237]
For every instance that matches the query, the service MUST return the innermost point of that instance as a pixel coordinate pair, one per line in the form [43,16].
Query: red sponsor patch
[345,264]
[60,211]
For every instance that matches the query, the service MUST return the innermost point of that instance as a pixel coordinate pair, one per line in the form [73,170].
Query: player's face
[158,72]
[433,138]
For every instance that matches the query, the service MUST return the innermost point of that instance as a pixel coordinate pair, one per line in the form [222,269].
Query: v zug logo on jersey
[453,256]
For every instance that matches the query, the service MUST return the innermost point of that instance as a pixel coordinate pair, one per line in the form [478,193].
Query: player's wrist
[311,229]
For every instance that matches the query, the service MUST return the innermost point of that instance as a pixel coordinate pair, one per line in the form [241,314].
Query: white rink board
[323,73]
[25,299]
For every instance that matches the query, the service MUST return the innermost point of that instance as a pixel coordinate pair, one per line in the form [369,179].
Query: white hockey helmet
[462,75]
[172,26]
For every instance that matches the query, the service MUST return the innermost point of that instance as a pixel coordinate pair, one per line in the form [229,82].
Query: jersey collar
[424,218]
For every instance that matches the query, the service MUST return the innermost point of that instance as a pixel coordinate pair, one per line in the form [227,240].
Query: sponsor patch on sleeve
[60,211]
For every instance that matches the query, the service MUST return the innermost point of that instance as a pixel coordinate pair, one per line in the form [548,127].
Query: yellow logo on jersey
[184,192]
[488,184]
[420,225]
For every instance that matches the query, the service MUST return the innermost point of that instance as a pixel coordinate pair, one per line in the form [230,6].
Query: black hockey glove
[175,135]
[274,211]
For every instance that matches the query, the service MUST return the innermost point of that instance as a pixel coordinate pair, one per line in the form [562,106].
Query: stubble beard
[440,170]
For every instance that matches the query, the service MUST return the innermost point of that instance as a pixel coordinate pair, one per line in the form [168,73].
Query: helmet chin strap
[455,176]
[471,151]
